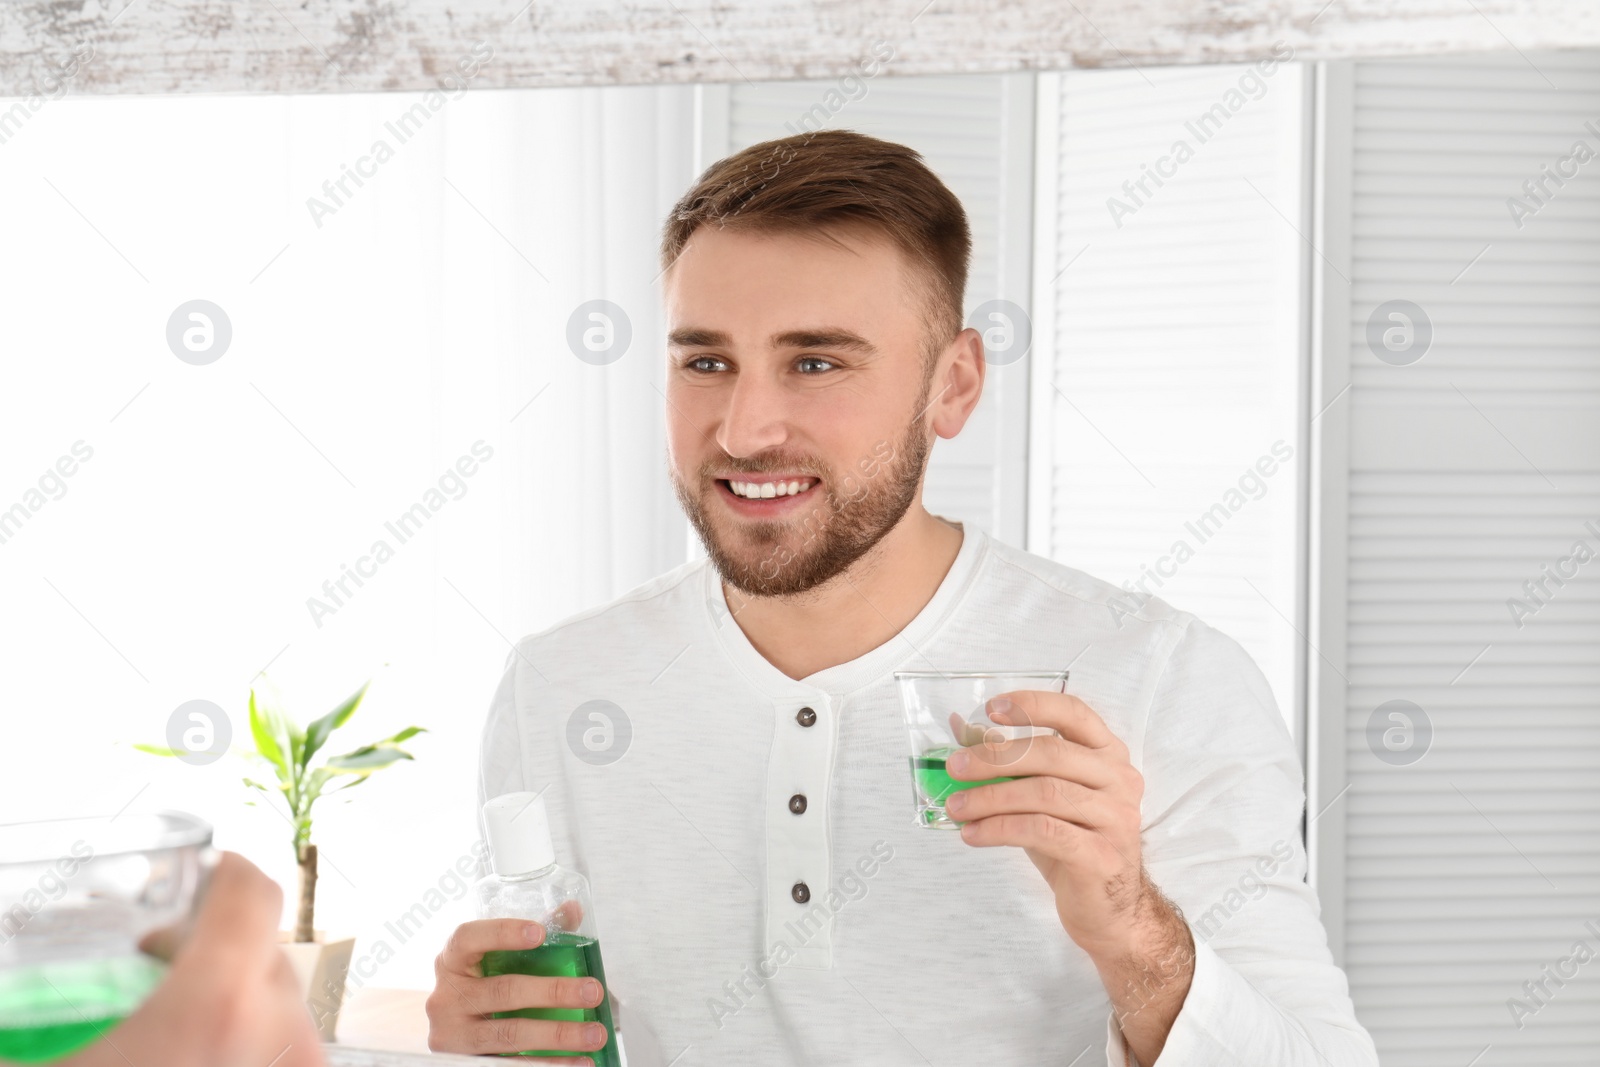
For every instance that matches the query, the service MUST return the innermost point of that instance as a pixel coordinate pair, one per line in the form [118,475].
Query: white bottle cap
[519,834]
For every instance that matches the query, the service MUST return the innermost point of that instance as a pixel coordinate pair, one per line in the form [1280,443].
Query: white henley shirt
[912,947]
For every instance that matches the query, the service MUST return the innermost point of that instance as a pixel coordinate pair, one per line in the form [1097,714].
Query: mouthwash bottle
[528,884]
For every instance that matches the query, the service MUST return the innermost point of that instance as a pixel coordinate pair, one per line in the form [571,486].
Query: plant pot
[320,967]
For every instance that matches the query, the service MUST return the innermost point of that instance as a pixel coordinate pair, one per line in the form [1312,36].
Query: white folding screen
[1166,448]
[976,133]
[1458,608]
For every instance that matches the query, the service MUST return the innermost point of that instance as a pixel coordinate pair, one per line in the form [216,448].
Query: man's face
[796,394]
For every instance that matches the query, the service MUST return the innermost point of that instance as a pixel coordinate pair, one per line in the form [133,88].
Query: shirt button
[797,803]
[805,717]
[801,892]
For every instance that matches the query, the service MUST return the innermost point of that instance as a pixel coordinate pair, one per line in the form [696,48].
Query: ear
[957,383]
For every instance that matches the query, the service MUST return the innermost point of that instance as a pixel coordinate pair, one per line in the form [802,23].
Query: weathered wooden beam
[49,47]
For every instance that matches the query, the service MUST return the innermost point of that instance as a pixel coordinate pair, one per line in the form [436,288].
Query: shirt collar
[902,649]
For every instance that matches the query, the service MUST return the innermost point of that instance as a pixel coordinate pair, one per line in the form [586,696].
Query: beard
[793,556]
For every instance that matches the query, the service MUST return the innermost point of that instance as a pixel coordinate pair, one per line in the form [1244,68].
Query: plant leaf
[341,780]
[270,729]
[317,733]
[297,747]
[366,759]
[310,789]
[154,750]
[404,735]
[348,781]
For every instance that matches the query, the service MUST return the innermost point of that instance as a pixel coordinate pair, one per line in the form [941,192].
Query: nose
[755,419]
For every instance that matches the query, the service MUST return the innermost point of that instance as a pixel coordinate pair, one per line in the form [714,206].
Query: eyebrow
[839,339]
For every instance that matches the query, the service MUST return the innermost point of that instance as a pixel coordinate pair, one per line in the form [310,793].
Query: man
[762,892]
[230,999]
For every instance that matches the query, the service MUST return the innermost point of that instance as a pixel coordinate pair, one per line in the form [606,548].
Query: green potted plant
[289,750]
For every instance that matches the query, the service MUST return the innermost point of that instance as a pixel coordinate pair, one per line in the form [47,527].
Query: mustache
[712,469]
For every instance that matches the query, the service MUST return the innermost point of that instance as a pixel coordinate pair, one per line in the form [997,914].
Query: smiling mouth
[764,494]
[767,488]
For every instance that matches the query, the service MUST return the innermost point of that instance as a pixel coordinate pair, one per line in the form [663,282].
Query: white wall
[367,355]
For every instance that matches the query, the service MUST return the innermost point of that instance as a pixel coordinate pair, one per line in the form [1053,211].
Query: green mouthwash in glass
[52,1010]
[934,783]
[528,884]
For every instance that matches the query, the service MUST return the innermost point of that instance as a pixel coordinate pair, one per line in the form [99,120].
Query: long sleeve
[500,768]
[1224,796]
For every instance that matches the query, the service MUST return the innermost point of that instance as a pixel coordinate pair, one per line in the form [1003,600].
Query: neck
[855,612]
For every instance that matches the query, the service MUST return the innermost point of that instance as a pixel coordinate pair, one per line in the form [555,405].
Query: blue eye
[696,363]
[813,359]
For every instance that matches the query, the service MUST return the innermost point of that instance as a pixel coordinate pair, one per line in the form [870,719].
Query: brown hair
[829,179]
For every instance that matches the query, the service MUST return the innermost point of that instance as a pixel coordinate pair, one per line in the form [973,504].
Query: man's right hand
[460,1007]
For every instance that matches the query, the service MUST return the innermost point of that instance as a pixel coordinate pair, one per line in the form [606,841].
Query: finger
[238,921]
[292,1022]
[514,992]
[486,1036]
[568,916]
[1069,801]
[162,942]
[464,951]
[1062,712]
[964,732]
[1042,754]
[1033,830]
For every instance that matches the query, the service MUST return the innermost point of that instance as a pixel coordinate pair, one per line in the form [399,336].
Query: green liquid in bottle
[562,955]
[55,1009]
[934,783]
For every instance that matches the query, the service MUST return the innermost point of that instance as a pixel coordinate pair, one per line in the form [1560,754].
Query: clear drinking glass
[77,896]
[945,710]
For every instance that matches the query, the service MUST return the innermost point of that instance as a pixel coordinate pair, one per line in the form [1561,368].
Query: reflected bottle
[527,883]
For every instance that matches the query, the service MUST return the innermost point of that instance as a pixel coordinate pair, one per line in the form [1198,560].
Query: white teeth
[768,490]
